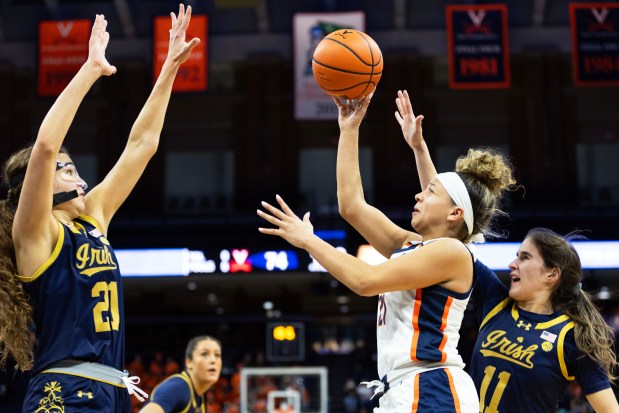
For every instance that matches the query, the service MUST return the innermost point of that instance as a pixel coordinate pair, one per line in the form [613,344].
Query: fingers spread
[269,231]
[398,117]
[186,18]
[269,218]
[284,205]
[276,212]
[193,43]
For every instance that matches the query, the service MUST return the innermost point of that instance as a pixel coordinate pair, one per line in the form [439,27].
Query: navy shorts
[56,392]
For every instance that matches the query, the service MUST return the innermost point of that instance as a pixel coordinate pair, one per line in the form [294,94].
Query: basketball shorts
[57,392]
[443,390]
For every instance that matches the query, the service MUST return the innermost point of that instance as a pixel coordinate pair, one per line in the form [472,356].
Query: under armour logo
[526,326]
[81,394]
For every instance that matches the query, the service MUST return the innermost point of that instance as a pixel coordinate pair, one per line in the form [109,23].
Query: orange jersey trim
[415,320]
[415,394]
[443,325]
[452,387]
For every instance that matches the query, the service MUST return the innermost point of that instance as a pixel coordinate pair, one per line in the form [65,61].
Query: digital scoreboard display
[183,261]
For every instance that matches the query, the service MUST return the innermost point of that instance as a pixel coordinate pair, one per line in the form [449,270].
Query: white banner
[310,101]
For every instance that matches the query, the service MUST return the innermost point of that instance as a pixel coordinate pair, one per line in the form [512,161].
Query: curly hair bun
[489,167]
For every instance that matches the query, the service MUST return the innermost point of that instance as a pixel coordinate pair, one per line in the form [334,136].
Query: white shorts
[442,390]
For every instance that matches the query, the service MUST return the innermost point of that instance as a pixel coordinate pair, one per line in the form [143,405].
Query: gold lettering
[97,259]
[108,256]
[82,256]
[497,345]
[94,256]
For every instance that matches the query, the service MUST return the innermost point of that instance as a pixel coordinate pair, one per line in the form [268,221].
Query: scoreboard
[183,261]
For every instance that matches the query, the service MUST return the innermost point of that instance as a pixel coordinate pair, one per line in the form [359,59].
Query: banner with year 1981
[595,43]
[478,46]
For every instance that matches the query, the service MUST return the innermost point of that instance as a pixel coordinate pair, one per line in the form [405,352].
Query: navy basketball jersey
[176,394]
[77,299]
[522,361]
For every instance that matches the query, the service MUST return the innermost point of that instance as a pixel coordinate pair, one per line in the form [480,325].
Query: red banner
[63,48]
[191,76]
[478,46]
[595,43]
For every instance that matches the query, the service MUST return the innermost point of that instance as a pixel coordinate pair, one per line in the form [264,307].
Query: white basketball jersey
[419,328]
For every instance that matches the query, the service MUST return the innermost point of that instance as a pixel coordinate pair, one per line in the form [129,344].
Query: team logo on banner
[595,43]
[63,48]
[478,46]
[191,75]
[310,101]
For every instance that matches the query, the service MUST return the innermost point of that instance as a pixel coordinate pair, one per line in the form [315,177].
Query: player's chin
[514,291]
[212,376]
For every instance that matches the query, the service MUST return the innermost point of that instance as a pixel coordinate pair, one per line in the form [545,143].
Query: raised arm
[413,135]
[372,224]
[105,199]
[34,229]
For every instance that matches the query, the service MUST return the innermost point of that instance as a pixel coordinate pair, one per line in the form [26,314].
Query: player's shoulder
[175,382]
[448,245]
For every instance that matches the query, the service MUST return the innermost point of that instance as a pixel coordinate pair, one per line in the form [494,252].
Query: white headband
[456,189]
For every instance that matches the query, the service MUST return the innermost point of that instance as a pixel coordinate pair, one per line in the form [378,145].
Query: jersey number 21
[105,313]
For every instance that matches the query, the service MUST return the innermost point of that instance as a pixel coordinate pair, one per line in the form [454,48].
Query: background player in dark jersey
[185,392]
[425,285]
[53,239]
[542,331]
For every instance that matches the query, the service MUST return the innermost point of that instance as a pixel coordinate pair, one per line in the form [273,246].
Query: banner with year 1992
[63,49]
[192,76]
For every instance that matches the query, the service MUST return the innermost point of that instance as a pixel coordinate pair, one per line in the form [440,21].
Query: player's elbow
[366,291]
[145,143]
[364,286]
[347,209]
[343,209]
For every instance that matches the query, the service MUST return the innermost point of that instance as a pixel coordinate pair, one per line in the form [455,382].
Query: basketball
[347,63]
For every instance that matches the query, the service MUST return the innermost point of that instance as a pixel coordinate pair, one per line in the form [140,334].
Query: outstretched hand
[411,125]
[179,50]
[99,38]
[289,226]
[351,112]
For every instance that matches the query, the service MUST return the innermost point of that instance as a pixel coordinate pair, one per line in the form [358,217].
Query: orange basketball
[347,63]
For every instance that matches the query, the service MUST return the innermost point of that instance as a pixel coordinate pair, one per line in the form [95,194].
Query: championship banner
[310,101]
[595,43]
[191,75]
[478,46]
[63,48]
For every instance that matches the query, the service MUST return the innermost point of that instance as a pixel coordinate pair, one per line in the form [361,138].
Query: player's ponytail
[592,334]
